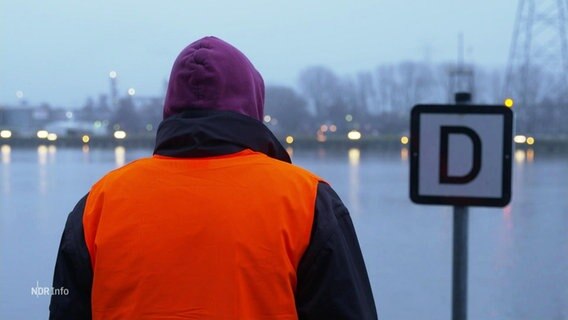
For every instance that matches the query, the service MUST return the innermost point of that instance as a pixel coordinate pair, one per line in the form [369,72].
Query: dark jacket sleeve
[73,271]
[332,278]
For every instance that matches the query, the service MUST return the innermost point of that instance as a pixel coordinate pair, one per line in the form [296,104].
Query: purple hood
[212,74]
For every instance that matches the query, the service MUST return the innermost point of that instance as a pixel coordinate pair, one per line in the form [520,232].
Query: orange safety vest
[199,238]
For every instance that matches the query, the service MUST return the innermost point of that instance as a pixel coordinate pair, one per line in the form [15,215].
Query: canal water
[518,254]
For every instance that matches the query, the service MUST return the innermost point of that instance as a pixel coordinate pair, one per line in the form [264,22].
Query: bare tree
[321,87]
[287,109]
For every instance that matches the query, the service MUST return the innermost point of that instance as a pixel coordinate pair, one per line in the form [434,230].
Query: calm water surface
[518,254]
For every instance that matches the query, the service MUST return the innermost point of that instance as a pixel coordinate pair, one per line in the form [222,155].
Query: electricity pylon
[537,69]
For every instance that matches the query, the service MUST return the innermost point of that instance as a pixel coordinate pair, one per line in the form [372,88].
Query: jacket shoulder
[292,169]
[119,172]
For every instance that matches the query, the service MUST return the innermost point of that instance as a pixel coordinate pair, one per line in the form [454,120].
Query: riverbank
[386,143]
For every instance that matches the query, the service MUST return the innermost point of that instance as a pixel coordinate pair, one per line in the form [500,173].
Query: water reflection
[42,152]
[508,217]
[505,243]
[119,156]
[6,152]
[52,150]
[530,155]
[522,156]
[404,154]
[290,151]
[42,155]
[86,153]
[354,155]
[46,154]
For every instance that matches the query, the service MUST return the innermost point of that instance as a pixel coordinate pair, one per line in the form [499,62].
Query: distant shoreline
[384,143]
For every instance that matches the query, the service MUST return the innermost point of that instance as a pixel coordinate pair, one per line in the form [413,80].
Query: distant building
[21,120]
[72,128]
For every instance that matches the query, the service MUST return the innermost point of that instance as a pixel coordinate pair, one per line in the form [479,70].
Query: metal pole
[460,244]
[459,272]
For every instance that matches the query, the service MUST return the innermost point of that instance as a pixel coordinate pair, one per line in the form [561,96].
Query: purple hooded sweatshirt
[212,74]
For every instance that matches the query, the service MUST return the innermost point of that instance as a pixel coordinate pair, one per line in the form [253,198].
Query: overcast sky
[62,51]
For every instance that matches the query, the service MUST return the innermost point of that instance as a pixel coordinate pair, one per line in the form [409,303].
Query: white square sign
[461,155]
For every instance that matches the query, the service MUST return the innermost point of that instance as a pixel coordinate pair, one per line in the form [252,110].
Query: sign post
[459,268]
[460,240]
[461,156]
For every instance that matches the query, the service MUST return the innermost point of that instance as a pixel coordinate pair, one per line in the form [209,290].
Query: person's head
[212,74]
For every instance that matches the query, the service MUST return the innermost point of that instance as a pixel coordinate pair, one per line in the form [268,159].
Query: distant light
[404,140]
[86,139]
[6,134]
[69,114]
[332,128]
[530,140]
[267,118]
[348,118]
[324,128]
[97,124]
[19,94]
[119,134]
[52,137]
[149,127]
[131,92]
[289,139]
[509,103]
[42,134]
[113,74]
[354,135]
[520,139]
